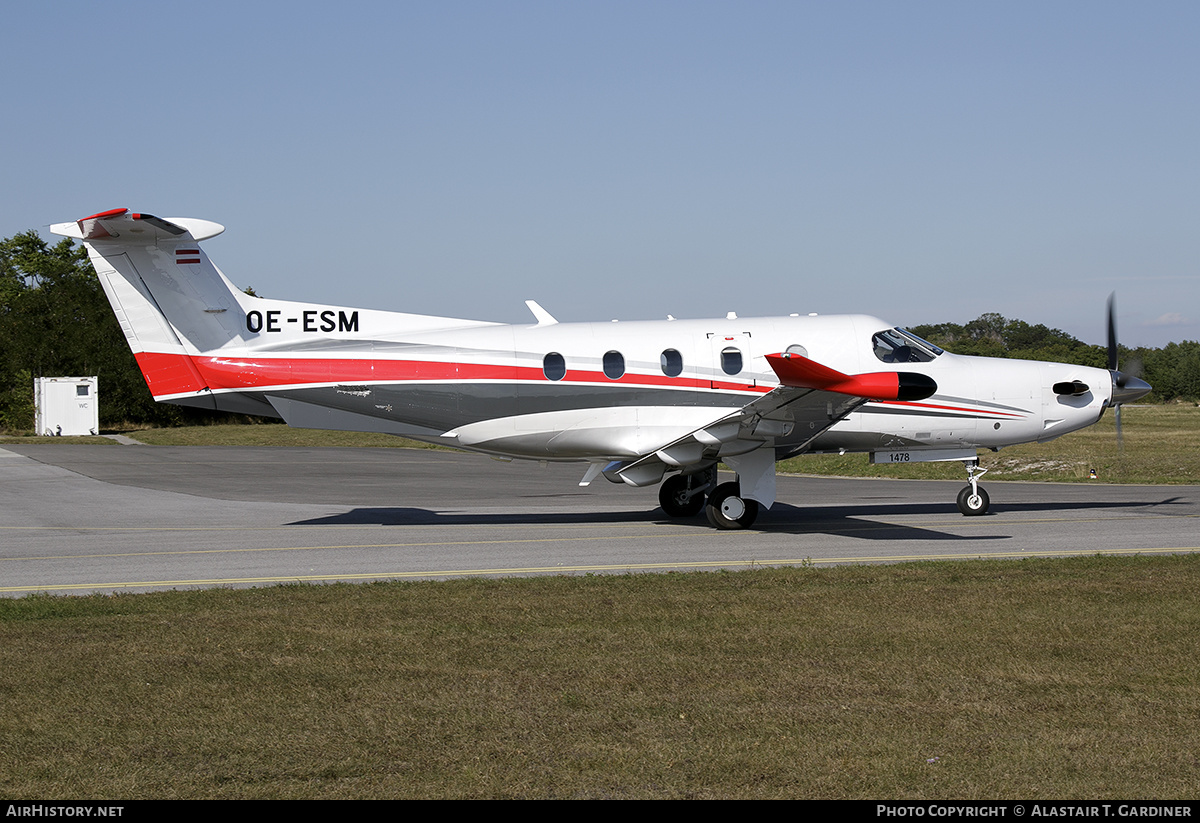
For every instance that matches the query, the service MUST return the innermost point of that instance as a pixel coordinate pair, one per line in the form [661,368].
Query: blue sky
[921,161]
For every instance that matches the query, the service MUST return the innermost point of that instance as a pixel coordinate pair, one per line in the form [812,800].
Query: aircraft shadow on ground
[845,520]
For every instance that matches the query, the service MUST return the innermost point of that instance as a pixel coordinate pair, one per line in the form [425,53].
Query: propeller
[1125,388]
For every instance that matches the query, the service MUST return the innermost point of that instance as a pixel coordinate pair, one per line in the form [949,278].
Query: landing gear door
[732,359]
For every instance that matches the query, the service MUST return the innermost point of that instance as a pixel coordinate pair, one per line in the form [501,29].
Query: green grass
[34,440]
[1072,678]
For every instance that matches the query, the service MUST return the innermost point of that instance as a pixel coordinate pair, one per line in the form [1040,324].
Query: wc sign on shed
[66,406]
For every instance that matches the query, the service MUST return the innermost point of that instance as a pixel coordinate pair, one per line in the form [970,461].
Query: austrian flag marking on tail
[187,256]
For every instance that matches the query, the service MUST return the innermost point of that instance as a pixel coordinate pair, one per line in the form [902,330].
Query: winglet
[800,372]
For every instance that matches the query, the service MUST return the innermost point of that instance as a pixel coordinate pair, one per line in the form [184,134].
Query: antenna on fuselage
[543,317]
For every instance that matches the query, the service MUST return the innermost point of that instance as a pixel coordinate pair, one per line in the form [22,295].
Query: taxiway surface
[81,519]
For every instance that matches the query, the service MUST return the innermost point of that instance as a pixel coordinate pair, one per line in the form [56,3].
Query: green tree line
[55,321]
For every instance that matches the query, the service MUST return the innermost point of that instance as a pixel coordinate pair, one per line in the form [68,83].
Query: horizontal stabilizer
[800,372]
[121,224]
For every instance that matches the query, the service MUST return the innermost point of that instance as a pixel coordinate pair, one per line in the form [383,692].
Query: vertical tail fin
[171,301]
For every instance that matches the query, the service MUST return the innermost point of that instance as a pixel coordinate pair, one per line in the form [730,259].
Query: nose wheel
[973,500]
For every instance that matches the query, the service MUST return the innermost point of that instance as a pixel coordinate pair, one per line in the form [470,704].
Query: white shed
[66,405]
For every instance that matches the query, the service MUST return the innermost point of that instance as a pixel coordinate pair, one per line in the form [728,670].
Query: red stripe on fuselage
[253,372]
[168,374]
[948,408]
[171,374]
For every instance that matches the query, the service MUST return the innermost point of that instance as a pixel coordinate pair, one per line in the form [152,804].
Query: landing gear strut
[682,495]
[973,500]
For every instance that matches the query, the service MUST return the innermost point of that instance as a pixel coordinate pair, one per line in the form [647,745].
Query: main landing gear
[973,500]
[683,495]
[727,509]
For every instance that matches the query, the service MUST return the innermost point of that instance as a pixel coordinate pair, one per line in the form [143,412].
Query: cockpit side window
[902,346]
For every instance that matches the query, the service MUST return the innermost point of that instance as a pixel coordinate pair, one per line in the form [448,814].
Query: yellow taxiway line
[620,567]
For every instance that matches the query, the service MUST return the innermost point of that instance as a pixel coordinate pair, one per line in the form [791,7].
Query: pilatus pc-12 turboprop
[641,403]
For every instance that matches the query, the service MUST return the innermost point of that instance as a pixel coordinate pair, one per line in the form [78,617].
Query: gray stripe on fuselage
[968,401]
[452,405]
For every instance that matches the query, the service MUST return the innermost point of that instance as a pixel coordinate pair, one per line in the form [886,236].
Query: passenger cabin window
[731,360]
[902,346]
[671,362]
[614,365]
[554,366]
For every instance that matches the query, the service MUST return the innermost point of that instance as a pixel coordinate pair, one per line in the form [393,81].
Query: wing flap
[786,411]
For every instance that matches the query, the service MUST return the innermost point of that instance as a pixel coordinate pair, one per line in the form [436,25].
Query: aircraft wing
[810,399]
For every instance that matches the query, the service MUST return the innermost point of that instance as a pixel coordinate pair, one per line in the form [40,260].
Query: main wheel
[973,503]
[674,499]
[727,509]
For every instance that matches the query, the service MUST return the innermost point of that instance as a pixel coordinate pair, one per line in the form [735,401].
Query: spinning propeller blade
[1125,388]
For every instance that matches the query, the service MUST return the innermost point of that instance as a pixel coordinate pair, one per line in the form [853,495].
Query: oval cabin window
[671,362]
[614,365]
[554,366]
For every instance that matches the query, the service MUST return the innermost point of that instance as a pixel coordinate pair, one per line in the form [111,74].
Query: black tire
[972,504]
[673,497]
[727,509]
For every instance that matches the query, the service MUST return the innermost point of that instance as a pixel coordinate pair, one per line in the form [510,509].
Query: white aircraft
[638,401]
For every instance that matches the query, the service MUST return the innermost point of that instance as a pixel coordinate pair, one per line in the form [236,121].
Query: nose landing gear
[973,500]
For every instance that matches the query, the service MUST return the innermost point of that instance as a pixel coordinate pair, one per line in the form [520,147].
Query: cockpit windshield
[902,346]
